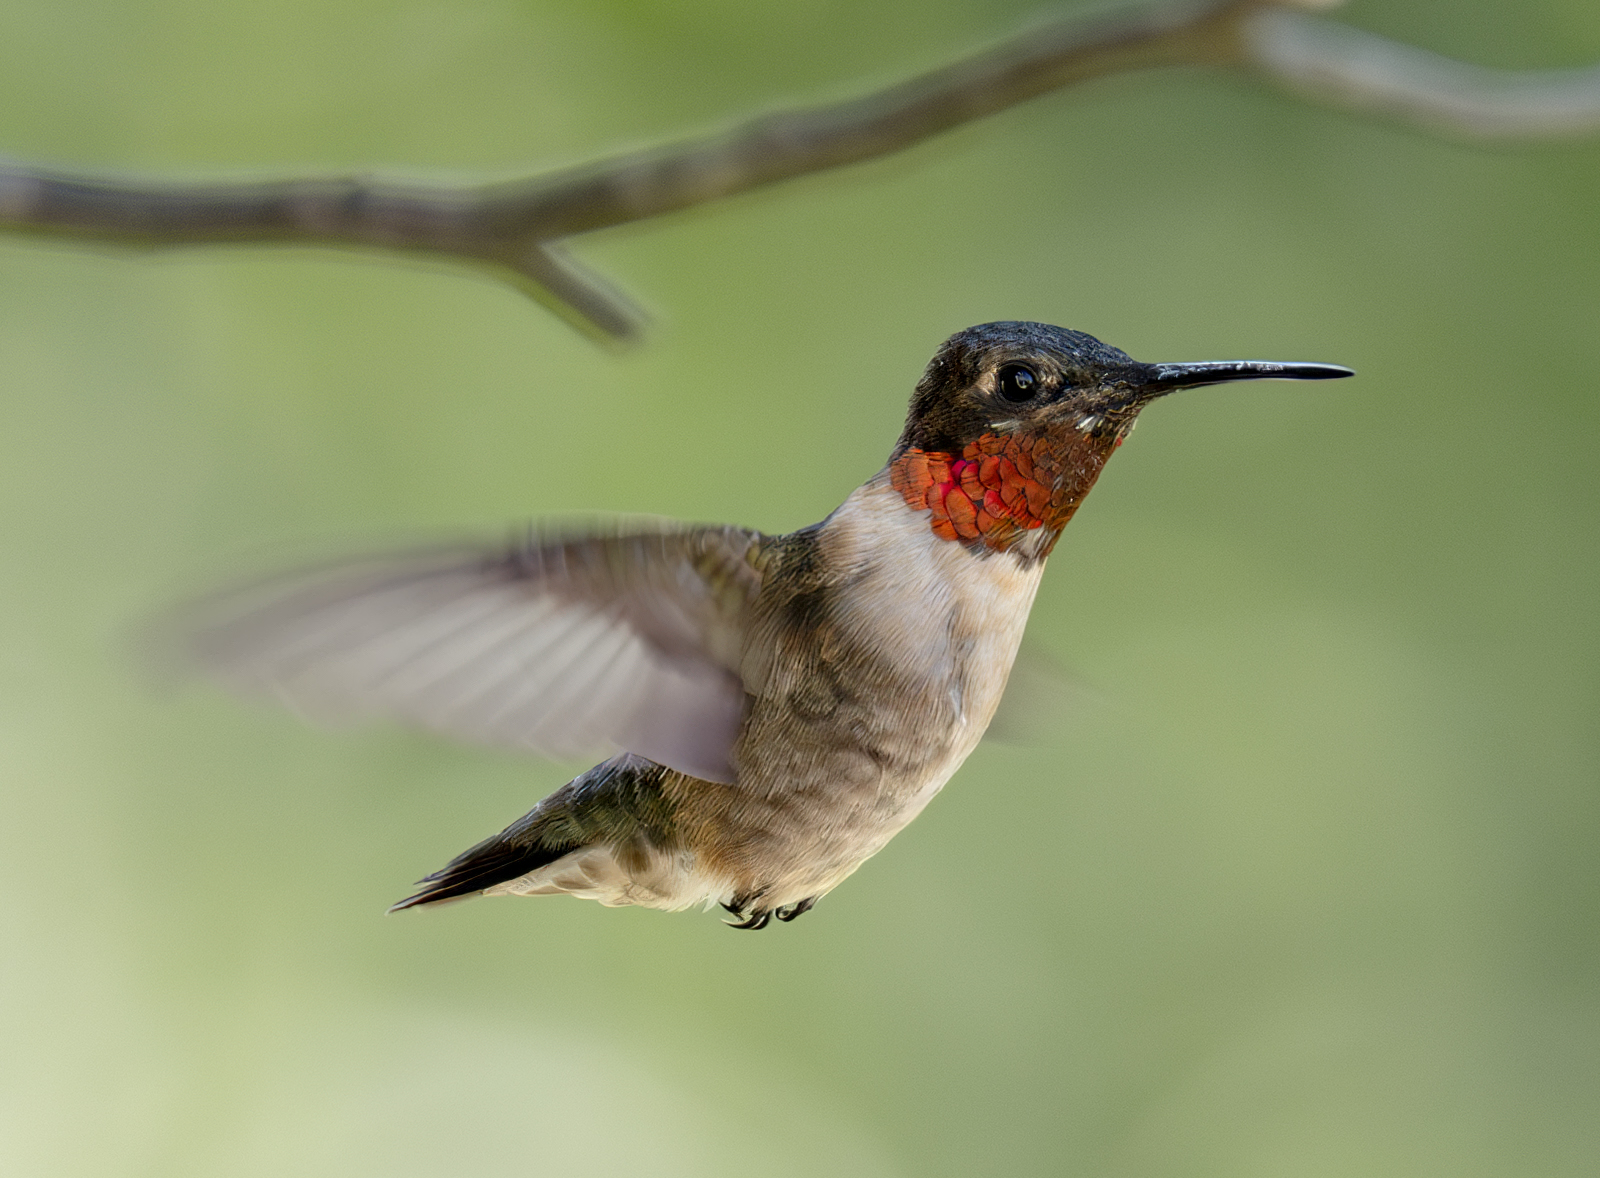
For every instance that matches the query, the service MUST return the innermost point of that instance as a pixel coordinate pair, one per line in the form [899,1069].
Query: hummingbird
[776,707]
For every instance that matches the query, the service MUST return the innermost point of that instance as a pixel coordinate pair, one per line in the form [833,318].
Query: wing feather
[567,645]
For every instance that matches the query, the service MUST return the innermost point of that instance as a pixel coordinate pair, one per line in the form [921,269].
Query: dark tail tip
[493,861]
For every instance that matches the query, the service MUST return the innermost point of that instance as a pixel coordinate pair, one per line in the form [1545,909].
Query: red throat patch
[1003,485]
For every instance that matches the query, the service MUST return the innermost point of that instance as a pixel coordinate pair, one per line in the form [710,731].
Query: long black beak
[1164,378]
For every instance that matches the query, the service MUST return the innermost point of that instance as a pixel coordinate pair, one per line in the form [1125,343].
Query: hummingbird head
[1012,423]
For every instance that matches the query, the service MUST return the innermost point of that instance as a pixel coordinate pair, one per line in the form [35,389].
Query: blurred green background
[1303,882]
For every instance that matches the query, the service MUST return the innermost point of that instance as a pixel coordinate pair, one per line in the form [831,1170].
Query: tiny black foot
[757,918]
[749,916]
[753,920]
[799,908]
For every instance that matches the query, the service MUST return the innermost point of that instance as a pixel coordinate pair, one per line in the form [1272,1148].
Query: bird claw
[798,909]
[760,918]
[752,920]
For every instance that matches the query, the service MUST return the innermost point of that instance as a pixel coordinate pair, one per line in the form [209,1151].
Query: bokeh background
[1302,879]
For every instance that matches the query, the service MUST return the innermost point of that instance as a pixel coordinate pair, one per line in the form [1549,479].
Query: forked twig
[515,228]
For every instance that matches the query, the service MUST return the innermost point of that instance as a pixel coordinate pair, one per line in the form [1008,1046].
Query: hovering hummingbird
[778,706]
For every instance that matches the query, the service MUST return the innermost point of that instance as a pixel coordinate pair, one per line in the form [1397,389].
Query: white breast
[953,615]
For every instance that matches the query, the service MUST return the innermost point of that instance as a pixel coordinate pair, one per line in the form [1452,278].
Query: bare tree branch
[513,227]
[429,220]
[798,142]
[1342,66]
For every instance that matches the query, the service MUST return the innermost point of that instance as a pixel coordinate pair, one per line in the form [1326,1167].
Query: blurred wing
[567,646]
[1043,698]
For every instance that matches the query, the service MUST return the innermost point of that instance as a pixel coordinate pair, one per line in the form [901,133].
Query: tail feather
[494,860]
[616,801]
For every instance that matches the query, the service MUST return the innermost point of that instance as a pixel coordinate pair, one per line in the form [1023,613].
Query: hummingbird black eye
[1016,382]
